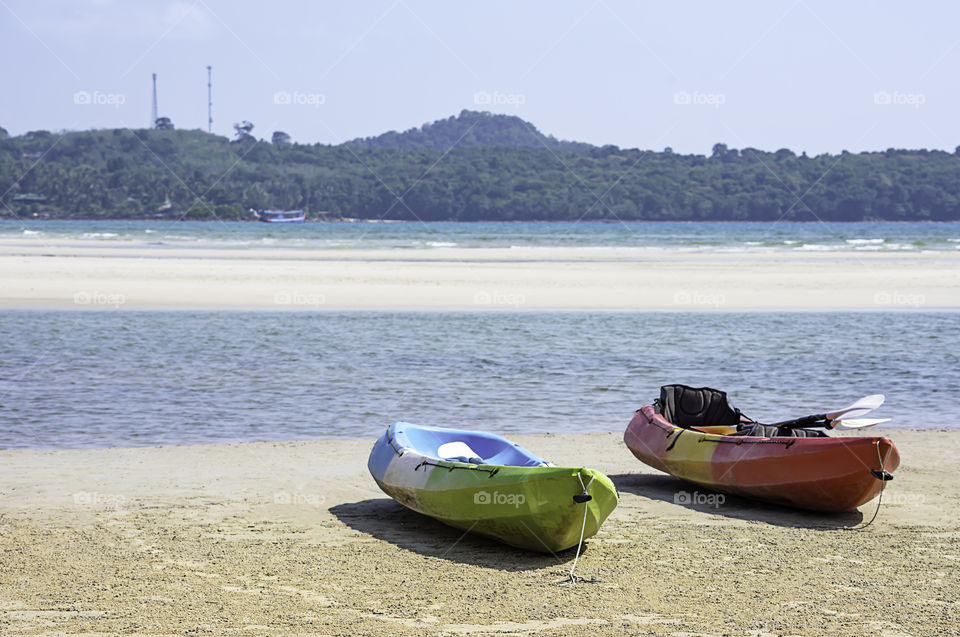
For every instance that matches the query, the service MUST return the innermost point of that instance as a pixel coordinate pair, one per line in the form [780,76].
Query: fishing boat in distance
[281,216]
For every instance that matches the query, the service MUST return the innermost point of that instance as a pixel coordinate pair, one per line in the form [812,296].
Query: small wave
[790,242]
[342,243]
[441,244]
[31,233]
[885,247]
[601,250]
[99,235]
[814,247]
[148,231]
[865,241]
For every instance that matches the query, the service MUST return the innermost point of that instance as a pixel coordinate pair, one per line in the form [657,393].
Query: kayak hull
[527,507]
[820,474]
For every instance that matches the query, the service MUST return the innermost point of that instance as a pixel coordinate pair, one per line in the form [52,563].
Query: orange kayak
[823,474]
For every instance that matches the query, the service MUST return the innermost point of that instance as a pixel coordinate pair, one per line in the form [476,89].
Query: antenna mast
[209,99]
[153,113]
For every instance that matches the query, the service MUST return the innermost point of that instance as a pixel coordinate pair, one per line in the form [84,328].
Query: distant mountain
[471,129]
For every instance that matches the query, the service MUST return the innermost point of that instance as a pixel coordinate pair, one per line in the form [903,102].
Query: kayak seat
[476,446]
[688,407]
[459,451]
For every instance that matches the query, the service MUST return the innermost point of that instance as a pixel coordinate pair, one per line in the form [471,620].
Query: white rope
[573,578]
[883,483]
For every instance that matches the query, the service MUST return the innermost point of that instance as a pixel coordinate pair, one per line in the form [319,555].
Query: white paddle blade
[858,423]
[863,406]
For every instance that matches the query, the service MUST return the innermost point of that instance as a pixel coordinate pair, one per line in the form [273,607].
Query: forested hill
[471,129]
[476,166]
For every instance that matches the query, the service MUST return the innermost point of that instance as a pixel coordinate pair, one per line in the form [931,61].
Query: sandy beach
[296,539]
[77,274]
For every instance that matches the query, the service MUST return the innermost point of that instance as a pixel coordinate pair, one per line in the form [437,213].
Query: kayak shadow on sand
[387,520]
[691,496]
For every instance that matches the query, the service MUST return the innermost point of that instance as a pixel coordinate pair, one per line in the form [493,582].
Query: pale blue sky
[814,76]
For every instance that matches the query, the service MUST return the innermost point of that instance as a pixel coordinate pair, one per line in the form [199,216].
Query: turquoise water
[697,237]
[103,379]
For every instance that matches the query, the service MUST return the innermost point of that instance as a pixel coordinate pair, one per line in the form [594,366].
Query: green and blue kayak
[486,484]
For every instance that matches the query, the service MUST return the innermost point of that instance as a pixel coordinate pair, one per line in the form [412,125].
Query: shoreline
[888,431]
[14,219]
[97,275]
[61,246]
[296,538]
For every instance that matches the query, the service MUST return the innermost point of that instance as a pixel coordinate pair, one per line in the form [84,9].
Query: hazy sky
[807,75]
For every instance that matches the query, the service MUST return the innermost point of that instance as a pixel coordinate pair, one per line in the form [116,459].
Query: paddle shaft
[819,420]
[862,406]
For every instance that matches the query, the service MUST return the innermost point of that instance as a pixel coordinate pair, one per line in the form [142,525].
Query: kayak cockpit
[474,447]
[707,410]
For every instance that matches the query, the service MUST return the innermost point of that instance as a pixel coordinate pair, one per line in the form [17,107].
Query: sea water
[109,378]
[651,236]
